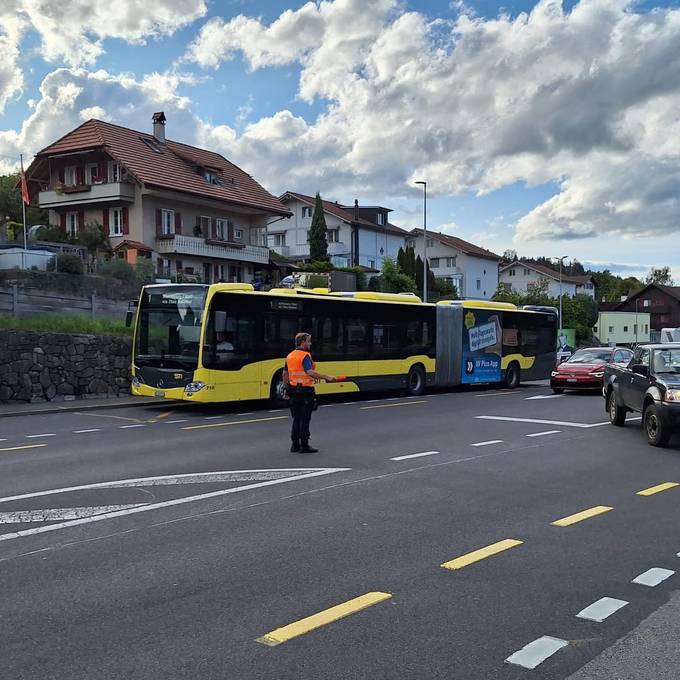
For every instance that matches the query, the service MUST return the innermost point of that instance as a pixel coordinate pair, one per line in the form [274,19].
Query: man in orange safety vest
[299,376]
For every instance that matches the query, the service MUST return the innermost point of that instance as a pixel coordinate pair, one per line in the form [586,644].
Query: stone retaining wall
[37,366]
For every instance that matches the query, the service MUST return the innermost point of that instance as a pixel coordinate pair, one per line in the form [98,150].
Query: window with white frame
[211,177]
[167,222]
[278,239]
[115,172]
[238,233]
[434,263]
[451,262]
[91,173]
[332,236]
[512,272]
[306,211]
[70,175]
[115,221]
[380,219]
[430,242]
[371,264]
[221,229]
[527,271]
[72,224]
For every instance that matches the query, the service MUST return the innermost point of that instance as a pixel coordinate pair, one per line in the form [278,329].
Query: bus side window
[328,339]
[357,340]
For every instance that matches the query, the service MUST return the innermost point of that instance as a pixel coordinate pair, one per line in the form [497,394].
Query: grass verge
[63,324]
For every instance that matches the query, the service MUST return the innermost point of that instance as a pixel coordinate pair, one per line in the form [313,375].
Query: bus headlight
[194,387]
[672,395]
[135,382]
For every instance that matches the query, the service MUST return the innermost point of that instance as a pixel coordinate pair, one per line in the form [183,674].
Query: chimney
[356,209]
[159,126]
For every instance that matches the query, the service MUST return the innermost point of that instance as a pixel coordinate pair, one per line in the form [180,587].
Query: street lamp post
[561,259]
[424,240]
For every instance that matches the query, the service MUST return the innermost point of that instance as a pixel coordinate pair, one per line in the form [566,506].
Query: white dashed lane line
[652,577]
[536,652]
[491,441]
[543,434]
[127,427]
[94,429]
[33,436]
[602,609]
[416,455]
[172,422]
[212,417]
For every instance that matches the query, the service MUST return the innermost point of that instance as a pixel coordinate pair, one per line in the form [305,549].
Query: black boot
[306,448]
[295,447]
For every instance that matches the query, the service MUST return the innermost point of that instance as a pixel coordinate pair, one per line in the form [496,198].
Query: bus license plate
[158,393]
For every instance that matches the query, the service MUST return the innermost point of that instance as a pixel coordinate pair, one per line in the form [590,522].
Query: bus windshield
[169,327]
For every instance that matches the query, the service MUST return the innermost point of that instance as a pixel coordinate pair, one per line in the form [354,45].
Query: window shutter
[81,220]
[178,223]
[213,227]
[126,222]
[230,230]
[105,220]
[80,175]
[178,265]
[62,222]
[62,176]
[216,272]
[159,222]
[198,224]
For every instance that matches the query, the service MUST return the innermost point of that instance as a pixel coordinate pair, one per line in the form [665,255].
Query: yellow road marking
[293,630]
[580,516]
[160,417]
[26,446]
[481,554]
[402,403]
[657,489]
[106,415]
[234,422]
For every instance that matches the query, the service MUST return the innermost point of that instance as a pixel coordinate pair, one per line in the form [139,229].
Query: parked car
[584,369]
[649,385]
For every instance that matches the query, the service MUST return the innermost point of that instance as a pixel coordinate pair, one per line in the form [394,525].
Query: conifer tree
[318,245]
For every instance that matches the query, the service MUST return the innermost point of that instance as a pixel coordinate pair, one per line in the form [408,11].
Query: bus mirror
[128,318]
[220,322]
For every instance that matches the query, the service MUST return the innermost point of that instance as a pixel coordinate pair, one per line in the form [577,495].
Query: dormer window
[211,177]
[306,211]
[380,219]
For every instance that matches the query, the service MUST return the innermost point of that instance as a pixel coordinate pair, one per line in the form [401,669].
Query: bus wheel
[415,382]
[512,376]
[277,391]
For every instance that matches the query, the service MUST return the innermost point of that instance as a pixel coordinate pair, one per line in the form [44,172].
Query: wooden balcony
[178,244]
[87,194]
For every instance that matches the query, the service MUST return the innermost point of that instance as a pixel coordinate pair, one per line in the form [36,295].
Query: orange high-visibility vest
[297,375]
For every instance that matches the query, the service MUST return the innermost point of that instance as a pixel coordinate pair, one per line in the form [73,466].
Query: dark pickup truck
[650,385]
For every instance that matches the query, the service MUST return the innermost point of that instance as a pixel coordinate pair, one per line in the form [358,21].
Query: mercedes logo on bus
[160,383]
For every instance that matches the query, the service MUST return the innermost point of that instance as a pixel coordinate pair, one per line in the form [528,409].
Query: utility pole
[424,240]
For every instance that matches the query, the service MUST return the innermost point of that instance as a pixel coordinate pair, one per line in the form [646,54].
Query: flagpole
[23,212]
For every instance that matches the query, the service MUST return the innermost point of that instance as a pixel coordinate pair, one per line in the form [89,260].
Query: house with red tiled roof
[521,276]
[473,270]
[194,213]
[357,235]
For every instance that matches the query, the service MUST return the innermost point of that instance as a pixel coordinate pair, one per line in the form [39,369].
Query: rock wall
[37,366]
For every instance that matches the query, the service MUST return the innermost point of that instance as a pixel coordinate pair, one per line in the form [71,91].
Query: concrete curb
[83,405]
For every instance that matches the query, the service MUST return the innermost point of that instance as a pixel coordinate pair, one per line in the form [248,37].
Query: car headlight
[194,387]
[598,374]
[554,374]
[672,395]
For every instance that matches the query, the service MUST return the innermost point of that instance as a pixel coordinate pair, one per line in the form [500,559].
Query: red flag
[24,186]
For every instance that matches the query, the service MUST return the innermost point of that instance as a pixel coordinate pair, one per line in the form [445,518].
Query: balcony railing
[194,245]
[334,248]
[87,194]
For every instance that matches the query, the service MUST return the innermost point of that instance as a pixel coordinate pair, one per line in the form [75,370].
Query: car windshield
[590,356]
[667,361]
[169,327]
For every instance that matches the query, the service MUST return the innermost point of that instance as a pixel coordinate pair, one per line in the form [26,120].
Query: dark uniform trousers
[301,407]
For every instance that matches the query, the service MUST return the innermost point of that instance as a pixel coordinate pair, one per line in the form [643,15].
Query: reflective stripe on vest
[297,376]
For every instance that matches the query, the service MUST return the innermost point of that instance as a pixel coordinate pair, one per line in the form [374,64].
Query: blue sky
[533,124]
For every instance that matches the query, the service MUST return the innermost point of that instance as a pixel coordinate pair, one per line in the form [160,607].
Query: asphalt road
[211,561]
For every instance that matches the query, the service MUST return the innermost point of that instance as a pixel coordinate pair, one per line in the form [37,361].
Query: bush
[53,234]
[119,269]
[393,280]
[67,263]
[144,271]
[358,272]
[64,324]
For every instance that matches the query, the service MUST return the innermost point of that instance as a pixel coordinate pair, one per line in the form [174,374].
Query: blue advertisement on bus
[482,347]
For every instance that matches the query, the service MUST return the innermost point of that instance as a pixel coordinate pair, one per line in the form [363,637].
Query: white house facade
[357,236]
[521,277]
[471,269]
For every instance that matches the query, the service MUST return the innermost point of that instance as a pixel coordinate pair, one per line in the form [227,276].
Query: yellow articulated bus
[227,342]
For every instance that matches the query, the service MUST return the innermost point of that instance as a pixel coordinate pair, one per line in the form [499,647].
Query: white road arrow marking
[55,514]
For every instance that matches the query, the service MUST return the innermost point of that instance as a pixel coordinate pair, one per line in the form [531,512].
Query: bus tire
[415,381]
[277,391]
[512,376]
